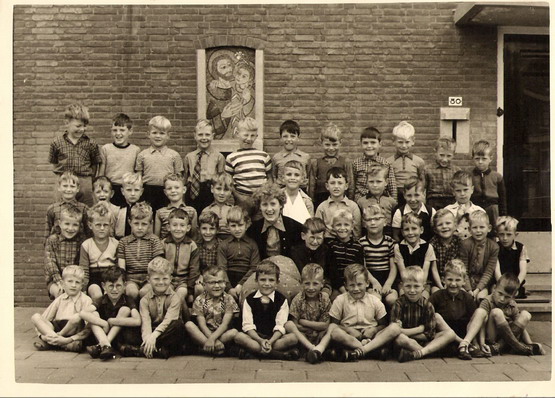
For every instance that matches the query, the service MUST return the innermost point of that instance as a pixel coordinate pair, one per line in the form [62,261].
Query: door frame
[501,32]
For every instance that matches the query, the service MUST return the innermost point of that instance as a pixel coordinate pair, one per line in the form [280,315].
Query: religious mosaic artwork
[230,88]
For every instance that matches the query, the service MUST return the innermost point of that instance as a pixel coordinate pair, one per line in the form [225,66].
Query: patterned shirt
[445,253]
[357,313]
[60,252]
[329,207]
[239,255]
[358,182]
[163,214]
[137,253]
[214,309]
[415,314]
[282,157]
[249,168]
[341,255]
[314,310]
[78,158]
[208,257]
[377,258]
[211,164]
[437,180]
[156,163]
[406,166]
[221,212]
[54,211]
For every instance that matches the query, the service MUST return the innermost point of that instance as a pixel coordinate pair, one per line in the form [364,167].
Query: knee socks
[506,334]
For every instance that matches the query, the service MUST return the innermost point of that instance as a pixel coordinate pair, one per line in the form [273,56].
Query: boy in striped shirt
[249,167]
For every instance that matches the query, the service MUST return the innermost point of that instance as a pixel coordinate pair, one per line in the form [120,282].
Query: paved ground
[32,366]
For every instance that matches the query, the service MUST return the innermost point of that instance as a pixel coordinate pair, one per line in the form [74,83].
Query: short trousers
[137,280]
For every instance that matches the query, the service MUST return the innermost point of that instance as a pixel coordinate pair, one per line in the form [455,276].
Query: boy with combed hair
[265,313]
[208,246]
[60,325]
[62,249]
[74,151]
[132,191]
[438,175]
[513,256]
[370,140]
[446,244]
[330,139]
[360,318]
[416,317]
[498,317]
[289,134]
[462,187]
[221,188]
[68,187]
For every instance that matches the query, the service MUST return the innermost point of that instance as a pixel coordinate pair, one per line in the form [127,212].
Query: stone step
[539,282]
[539,311]
[534,298]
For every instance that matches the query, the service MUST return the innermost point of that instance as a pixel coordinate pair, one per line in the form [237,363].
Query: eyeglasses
[212,283]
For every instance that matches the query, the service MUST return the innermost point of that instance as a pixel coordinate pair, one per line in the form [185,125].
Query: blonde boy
[201,165]
[330,139]
[119,156]
[60,325]
[132,191]
[157,161]
[513,256]
[405,164]
[415,316]
[298,204]
[438,175]
[446,244]
[174,189]
[74,151]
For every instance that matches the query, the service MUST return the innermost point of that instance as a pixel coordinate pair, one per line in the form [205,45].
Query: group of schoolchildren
[150,252]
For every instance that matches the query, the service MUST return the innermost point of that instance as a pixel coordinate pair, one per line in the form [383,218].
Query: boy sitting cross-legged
[416,317]
[265,313]
[62,249]
[60,325]
[135,251]
[361,318]
[309,313]
[498,317]
[116,321]
[174,189]
[214,311]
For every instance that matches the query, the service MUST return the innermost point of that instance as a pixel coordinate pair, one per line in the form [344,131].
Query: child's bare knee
[124,312]
[525,315]
[497,315]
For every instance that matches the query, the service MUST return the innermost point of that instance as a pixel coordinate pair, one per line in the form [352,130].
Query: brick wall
[355,65]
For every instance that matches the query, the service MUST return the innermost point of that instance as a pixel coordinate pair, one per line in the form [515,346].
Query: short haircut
[69,210]
[295,164]
[160,265]
[413,273]
[181,214]
[267,267]
[378,169]
[130,178]
[413,182]
[140,211]
[77,111]
[68,176]
[455,266]
[336,172]
[222,178]
[98,210]
[481,148]
[291,126]
[342,214]
[203,124]
[237,214]
[102,182]
[113,273]
[214,270]
[312,271]
[478,215]
[161,123]
[73,270]
[411,218]
[269,191]
[446,143]
[461,177]
[404,130]
[330,132]
[210,218]
[314,225]
[371,132]
[173,177]
[508,222]
[247,123]
[510,283]
[373,210]
[353,270]
[442,213]
[122,120]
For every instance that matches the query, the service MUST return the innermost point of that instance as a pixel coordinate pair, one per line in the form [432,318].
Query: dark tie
[195,177]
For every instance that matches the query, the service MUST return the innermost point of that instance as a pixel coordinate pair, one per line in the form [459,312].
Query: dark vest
[426,221]
[509,259]
[417,257]
[264,315]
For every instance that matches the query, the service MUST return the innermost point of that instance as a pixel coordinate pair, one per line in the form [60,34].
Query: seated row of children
[354,326]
